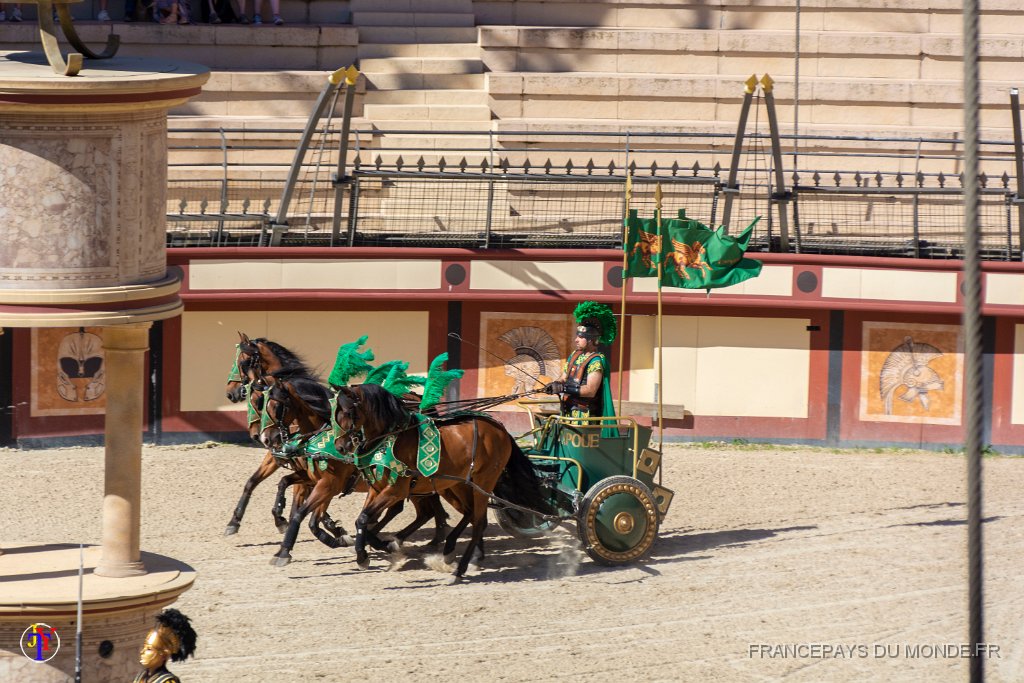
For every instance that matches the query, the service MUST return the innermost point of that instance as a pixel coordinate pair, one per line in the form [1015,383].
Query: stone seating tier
[901,78]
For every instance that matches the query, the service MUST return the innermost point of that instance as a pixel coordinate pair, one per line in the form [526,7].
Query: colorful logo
[40,642]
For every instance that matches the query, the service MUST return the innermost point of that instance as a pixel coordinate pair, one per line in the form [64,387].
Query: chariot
[601,472]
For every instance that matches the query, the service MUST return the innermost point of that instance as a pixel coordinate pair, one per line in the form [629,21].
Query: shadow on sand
[558,556]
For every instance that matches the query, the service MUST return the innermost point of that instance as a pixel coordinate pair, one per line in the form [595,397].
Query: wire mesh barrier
[565,194]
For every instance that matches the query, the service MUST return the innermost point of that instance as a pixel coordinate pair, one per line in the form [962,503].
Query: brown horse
[247,381]
[303,401]
[478,457]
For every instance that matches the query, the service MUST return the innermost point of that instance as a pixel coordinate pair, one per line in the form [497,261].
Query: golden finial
[767,83]
[349,73]
[629,186]
[657,196]
[751,83]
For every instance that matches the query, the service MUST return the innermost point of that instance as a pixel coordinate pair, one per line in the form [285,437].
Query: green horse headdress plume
[438,380]
[597,318]
[351,362]
[392,376]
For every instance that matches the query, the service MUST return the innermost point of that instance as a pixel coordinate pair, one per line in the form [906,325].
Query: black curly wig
[180,625]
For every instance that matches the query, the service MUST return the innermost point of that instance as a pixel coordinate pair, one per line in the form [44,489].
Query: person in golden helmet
[173,638]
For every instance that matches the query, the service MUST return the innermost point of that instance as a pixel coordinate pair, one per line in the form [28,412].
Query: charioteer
[584,386]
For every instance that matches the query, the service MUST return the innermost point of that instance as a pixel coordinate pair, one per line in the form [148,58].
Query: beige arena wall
[1017,404]
[718,369]
[205,334]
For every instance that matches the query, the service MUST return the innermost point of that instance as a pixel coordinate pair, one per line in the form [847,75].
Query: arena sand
[804,564]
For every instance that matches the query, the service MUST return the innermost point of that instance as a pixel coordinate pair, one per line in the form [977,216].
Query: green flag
[643,246]
[697,257]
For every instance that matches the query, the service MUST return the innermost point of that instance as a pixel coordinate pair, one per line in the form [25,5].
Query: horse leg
[479,525]
[375,504]
[373,536]
[300,489]
[320,495]
[331,535]
[425,509]
[286,481]
[328,523]
[265,469]
[461,504]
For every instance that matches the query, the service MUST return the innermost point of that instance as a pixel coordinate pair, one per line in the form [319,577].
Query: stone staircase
[423,70]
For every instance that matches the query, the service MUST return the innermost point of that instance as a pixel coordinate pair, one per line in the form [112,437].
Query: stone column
[125,348]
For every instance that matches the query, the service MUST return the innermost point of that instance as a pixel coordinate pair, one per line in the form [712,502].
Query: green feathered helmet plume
[596,321]
[438,380]
[351,362]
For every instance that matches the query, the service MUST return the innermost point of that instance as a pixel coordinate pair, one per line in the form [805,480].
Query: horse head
[365,412]
[237,380]
[347,420]
[254,401]
[297,404]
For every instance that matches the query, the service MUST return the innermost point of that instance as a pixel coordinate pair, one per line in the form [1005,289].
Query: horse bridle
[349,414]
[362,440]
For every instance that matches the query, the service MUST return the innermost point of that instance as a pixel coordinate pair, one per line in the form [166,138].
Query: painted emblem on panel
[536,355]
[911,373]
[528,350]
[906,374]
[68,371]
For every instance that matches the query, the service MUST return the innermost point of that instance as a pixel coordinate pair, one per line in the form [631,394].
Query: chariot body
[600,471]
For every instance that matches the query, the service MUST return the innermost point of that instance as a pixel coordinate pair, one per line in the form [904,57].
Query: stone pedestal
[83,174]
[41,586]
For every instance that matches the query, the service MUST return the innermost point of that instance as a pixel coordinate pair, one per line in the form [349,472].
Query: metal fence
[566,194]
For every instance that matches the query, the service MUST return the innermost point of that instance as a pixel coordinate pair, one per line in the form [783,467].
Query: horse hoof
[455,580]
[278,561]
[346,541]
[449,558]
[231,530]
[364,563]
[394,547]
[282,527]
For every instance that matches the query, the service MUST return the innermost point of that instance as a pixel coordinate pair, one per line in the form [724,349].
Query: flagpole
[622,324]
[657,215]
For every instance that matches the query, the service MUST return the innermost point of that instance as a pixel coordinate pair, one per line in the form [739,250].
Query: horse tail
[519,483]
